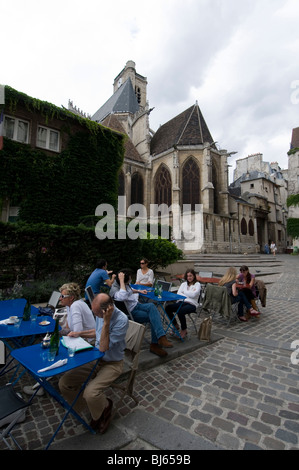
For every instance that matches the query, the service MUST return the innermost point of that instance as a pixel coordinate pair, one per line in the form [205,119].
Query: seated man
[100,278]
[111,328]
[142,313]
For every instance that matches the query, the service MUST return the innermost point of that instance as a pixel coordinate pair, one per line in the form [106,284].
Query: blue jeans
[242,299]
[147,312]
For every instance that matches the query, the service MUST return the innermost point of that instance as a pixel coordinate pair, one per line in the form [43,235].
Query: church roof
[122,101]
[131,153]
[188,128]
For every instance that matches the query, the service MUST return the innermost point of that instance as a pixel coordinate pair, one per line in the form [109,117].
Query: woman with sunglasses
[80,318]
[249,280]
[145,275]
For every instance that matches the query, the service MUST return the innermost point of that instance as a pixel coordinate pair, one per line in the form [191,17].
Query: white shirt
[191,292]
[147,278]
[80,317]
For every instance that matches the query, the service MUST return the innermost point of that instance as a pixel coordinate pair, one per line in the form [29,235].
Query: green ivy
[293,200]
[293,227]
[60,188]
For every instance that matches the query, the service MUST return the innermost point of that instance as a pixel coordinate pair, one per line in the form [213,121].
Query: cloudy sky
[238,59]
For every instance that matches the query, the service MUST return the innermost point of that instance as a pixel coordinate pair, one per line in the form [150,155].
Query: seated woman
[79,316]
[248,279]
[191,290]
[229,281]
[142,313]
[145,275]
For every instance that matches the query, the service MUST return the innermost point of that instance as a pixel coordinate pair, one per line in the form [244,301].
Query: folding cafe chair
[12,412]
[134,338]
[218,301]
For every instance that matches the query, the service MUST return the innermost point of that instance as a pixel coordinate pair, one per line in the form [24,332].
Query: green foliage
[293,200]
[293,227]
[160,252]
[54,254]
[61,188]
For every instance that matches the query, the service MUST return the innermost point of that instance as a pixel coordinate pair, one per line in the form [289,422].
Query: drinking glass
[51,354]
[71,351]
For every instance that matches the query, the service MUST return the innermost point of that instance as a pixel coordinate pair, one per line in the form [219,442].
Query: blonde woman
[229,281]
[80,318]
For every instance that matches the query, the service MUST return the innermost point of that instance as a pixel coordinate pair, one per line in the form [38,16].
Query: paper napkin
[59,363]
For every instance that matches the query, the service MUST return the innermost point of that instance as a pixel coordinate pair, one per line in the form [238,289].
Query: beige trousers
[93,395]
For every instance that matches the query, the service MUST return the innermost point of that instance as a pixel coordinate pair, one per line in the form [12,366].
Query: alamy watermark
[294,358]
[295,93]
[136,222]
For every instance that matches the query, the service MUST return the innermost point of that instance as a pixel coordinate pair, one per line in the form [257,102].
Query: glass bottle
[54,342]
[27,311]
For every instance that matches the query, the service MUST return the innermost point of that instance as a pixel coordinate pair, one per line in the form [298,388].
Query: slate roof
[122,101]
[131,153]
[188,128]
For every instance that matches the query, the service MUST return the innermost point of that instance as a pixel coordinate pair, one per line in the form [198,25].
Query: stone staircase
[266,267]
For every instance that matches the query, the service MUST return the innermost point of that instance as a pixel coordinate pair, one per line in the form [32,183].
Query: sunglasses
[63,296]
[142,262]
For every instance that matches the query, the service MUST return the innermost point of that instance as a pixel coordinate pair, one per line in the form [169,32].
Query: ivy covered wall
[59,188]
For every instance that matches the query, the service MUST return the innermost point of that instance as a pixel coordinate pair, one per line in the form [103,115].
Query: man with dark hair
[100,278]
[111,329]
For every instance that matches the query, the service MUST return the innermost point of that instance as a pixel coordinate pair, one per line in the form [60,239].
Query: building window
[243,227]
[137,189]
[251,228]
[47,138]
[16,129]
[121,184]
[191,183]
[163,187]
[138,94]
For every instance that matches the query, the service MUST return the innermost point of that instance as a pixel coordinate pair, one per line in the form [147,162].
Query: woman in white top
[145,275]
[273,248]
[79,316]
[191,290]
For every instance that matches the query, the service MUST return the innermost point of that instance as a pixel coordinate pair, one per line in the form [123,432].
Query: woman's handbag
[204,333]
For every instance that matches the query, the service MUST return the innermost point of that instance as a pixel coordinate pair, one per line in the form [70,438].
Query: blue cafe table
[30,358]
[25,333]
[160,301]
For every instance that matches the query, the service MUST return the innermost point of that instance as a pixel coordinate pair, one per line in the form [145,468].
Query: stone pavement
[239,392]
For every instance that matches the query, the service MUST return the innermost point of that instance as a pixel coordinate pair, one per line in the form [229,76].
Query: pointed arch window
[121,184]
[250,228]
[190,175]
[243,227]
[137,189]
[163,186]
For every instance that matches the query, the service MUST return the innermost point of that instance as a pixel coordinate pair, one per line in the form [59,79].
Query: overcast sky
[238,59]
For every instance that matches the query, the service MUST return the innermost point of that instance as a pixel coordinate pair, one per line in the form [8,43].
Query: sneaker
[30,390]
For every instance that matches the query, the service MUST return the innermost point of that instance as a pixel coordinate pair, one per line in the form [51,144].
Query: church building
[178,166]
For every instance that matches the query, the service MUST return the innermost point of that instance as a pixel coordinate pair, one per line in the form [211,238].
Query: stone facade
[159,170]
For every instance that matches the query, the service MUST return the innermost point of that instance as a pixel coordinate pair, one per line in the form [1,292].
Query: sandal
[242,318]
[253,312]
